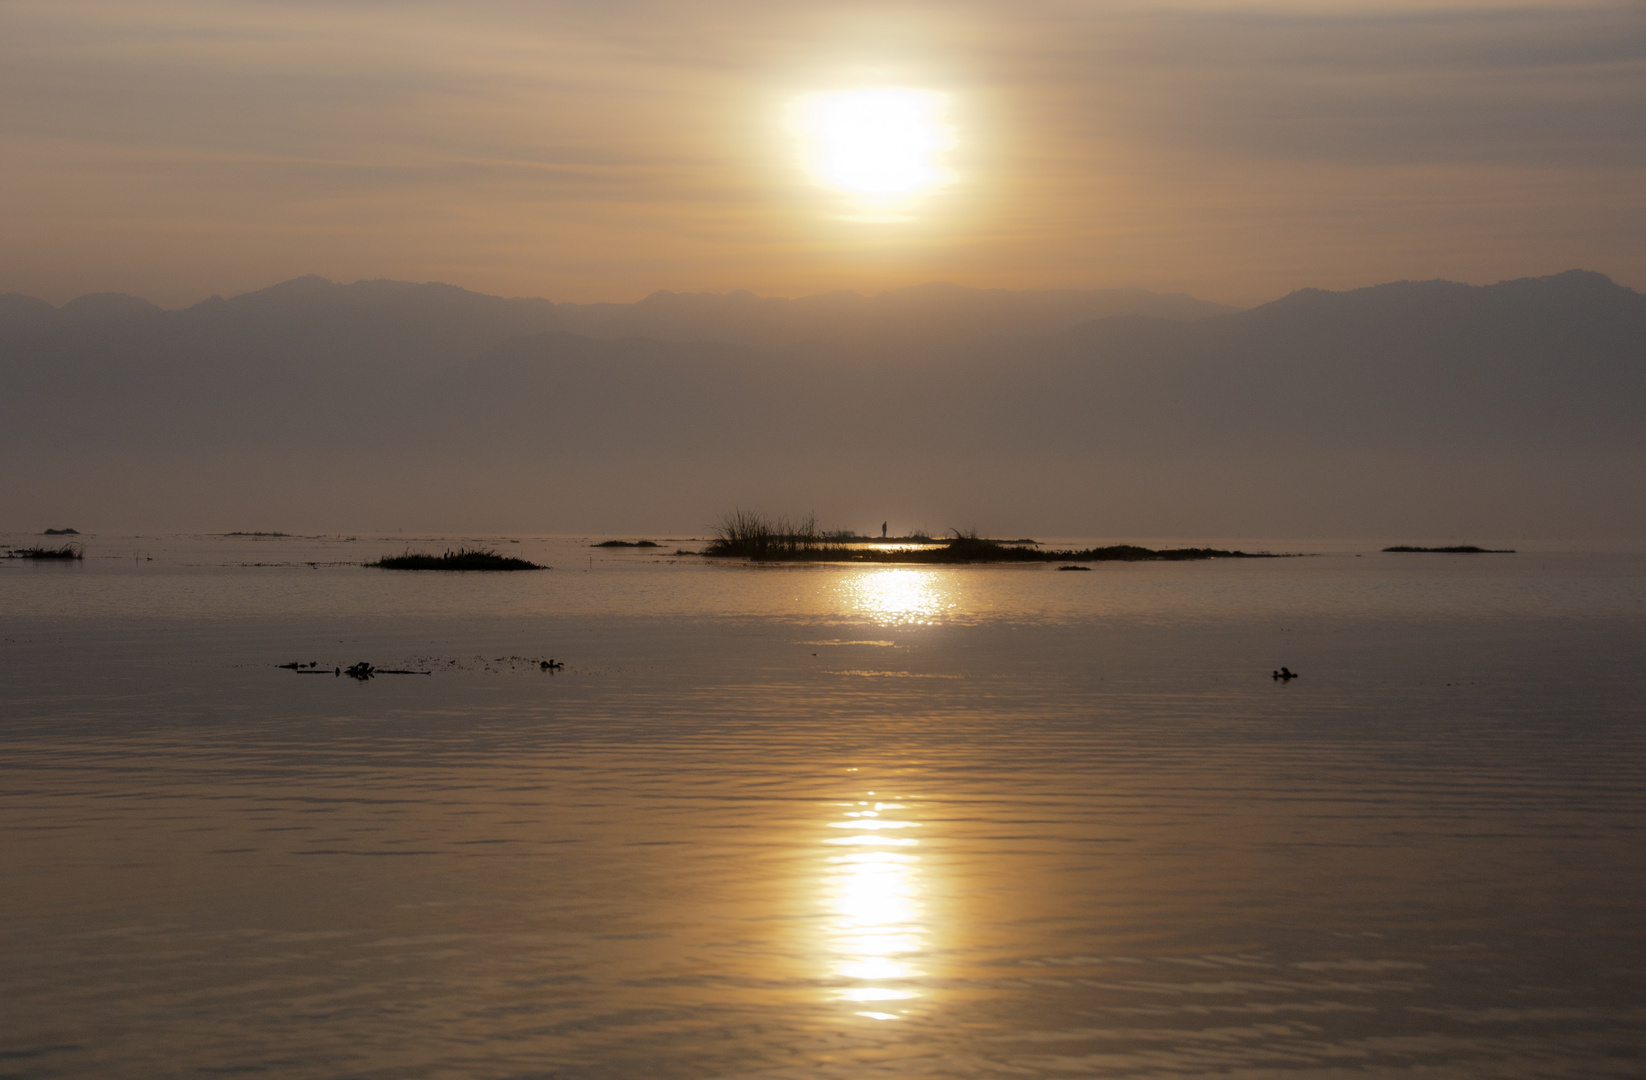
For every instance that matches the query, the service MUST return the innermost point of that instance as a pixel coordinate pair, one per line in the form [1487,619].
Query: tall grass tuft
[750,534]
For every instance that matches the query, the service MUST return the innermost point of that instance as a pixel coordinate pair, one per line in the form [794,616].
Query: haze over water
[820,820]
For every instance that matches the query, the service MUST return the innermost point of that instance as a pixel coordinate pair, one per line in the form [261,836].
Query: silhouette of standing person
[882,530]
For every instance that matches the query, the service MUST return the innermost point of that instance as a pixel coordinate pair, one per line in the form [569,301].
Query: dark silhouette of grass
[461,559]
[67,551]
[626,543]
[752,535]
[257,534]
[1462,549]
[62,532]
[747,535]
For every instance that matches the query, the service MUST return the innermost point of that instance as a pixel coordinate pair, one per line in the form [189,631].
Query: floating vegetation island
[461,559]
[67,551]
[1463,549]
[745,535]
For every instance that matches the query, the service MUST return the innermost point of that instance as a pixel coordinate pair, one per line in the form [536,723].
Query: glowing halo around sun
[880,149]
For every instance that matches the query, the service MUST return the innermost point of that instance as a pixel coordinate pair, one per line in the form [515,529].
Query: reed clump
[67,551]
[750,534]
[461,559]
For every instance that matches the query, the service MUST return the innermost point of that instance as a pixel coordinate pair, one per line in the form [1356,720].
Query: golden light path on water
[893,597]
[878,918]
[876,929]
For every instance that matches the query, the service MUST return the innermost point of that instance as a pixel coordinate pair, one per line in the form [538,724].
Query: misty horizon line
[925,287]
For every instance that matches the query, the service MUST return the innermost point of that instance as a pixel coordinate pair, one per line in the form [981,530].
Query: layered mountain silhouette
[1508,401]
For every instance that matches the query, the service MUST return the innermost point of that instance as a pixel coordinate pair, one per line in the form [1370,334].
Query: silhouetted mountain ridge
[920,316]
[312,328]
[905,394]
[1529,361]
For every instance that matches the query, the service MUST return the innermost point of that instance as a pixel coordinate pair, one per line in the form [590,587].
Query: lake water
[820,821]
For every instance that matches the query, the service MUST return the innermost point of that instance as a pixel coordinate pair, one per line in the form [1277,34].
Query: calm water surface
[820,821]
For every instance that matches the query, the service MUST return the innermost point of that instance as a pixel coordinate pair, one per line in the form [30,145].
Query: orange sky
[598,151]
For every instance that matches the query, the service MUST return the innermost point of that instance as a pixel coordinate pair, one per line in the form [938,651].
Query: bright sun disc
[879,146]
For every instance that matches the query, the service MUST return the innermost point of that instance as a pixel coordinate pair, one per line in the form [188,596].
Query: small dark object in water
[294,665]
[62,532]
[625,543]
[1462,549]
[364,671]
[551,664]
[1285,674]
[1085,568]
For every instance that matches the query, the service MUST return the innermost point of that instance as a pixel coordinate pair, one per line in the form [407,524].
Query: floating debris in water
[425,665]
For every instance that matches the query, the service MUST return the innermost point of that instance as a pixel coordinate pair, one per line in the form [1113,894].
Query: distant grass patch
[974,549]
[626,543]
[747,535]
[67,551]
[461,559]
[1462,549]
[257,534]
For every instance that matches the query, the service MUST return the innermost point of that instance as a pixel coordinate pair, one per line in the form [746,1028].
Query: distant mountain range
[1099,413]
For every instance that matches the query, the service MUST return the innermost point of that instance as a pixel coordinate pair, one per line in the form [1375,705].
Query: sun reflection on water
[876,930]
[897,597]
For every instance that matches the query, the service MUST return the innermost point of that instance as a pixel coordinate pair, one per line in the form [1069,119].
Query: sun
[880,148]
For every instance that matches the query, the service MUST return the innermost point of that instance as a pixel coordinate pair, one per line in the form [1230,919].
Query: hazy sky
[599,151]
